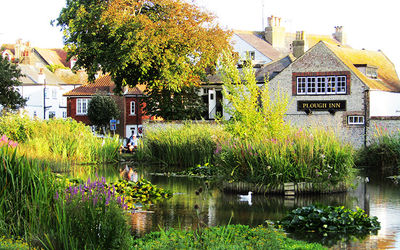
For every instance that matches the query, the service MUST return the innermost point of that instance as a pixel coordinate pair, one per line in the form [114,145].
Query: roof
[31,75]
[273,68]
[54,56]
[387,79]
[103,83]
[255,39]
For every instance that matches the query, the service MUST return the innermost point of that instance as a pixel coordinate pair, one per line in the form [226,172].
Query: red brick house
[130,103]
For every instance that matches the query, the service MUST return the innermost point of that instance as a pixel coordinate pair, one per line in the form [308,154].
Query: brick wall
[71,111]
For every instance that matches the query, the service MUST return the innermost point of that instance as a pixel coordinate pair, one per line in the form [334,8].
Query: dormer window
[371,72]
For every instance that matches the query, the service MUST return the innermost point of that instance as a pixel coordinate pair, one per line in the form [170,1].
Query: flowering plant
[4,141]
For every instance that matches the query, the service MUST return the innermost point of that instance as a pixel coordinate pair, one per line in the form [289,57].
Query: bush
[225,237]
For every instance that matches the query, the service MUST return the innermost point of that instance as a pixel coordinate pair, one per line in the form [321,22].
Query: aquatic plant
[329,221]
[383,151]
[180,146]
[314,155]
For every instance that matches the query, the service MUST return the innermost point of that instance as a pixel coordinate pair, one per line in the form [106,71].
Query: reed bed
[59,140]
[181,146]
[39,208]
[314,156]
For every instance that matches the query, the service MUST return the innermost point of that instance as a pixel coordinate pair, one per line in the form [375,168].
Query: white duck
[246,198]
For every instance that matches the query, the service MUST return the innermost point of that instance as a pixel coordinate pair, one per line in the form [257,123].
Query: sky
[369,24]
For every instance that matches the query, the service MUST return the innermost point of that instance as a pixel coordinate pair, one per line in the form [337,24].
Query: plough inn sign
[321,105]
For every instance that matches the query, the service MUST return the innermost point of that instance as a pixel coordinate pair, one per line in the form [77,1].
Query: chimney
[339,35]
[299,44]
[275,33]
[41,76]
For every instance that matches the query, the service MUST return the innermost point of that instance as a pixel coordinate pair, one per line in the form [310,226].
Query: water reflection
[380,197]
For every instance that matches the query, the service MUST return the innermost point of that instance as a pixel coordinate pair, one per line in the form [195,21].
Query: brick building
[130,103]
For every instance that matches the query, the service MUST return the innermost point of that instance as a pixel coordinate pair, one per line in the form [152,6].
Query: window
[355,119]
[64,114]
[133,108]
[82,106]
[251,55]
[321,85]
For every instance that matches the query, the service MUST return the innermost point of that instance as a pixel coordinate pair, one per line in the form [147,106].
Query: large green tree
[153,42]
[102,108]
[10,74]
[173,105]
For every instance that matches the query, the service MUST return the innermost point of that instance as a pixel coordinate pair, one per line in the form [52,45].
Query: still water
[379,197]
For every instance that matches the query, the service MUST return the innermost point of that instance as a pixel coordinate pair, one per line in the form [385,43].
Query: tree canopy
[102,108]
[153,42]
[172,105]
[10,74]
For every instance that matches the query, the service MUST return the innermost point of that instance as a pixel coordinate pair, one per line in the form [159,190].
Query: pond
[196,203]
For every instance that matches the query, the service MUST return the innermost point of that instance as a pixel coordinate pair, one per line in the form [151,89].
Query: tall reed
[59,140]
[181,145]
[315,156]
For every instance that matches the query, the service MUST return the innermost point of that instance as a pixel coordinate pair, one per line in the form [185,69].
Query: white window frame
[133,109]
[355,120]
[82,106]
[321,85]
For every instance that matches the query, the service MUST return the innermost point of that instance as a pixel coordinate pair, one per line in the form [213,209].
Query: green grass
[58,140]
[225,237]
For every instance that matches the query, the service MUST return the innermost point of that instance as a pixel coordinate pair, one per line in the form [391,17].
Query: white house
[43,88]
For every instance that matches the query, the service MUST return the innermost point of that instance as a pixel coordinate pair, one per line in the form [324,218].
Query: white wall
[240,46]
[55,103]
[384,103]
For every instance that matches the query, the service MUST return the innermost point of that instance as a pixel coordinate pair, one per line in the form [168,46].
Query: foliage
[102,108]
[142,41]
[315,156]
[180,145]
[169,104]
[330,221]
[206,170]
[10,98]
[58,140]
[26,200]
[384,150]
[226,237]
[95,216]
[54,67]
[129,192]
[11,244]
[256,112]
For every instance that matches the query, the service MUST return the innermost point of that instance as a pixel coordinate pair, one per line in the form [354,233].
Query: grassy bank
[226,237]
[58,140]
